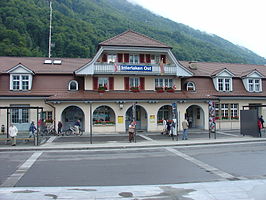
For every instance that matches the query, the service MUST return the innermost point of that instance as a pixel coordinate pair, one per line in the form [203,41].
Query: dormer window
[73,85]
[191,86]
[224,84]
[254,85]
[20,82]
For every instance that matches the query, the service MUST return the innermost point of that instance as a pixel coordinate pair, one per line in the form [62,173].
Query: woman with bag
[131,131]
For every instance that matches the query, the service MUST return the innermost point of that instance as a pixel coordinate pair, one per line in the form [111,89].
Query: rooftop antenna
[50,29]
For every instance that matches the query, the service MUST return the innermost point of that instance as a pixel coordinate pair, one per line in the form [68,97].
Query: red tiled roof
[36,64]
[133,39]
[209,68]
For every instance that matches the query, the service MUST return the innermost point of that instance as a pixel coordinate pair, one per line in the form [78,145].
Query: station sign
[141,68]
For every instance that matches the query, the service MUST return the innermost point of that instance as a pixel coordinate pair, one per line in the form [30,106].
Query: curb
[129,146]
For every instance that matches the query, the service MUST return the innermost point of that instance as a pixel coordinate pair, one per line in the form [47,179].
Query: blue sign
[136,68]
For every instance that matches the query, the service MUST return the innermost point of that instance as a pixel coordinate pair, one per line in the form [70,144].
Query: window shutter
[120,57]
[164,58]
[141,58]
[104,58]
[126,83]
[95,83]
[126,58]
[142,83]
[111,83]
[148,58]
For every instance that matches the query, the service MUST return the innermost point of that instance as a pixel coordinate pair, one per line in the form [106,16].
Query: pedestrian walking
[131,131]
[173,129]
[262,121]
[59,128]
[13,131]
[32,129]
[168,127]
[259,126]
[77,126]
[185,129]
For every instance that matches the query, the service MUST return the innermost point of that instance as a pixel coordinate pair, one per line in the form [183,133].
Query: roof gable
[252,74]
[20,69]
[133,39]
[223,73]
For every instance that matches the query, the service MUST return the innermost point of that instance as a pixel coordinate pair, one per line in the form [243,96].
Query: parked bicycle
[48,130]
[73,131]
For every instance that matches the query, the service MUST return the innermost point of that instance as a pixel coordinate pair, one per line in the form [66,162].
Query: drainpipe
[54,112]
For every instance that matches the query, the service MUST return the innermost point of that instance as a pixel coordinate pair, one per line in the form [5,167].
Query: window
[134,59]
[155,59]
[224,84]
[190,86]
[165,112]
[19,115]
[73,85]
[111,58]
[134,82]
[47,116]
[234,111]
[227,111]
[103,115]
[103,82]
[254,85]
[224,111]
[20,82]
[163,82]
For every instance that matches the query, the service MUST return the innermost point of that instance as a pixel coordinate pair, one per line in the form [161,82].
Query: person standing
[164,127]
[77,126]
[12,131]
[259,126]
[185,128]
[32,129]
[59,128]
[131,131]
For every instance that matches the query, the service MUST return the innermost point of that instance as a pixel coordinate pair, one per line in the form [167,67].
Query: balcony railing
[155,69]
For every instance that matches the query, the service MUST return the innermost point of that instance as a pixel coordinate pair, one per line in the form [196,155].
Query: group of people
[169,128]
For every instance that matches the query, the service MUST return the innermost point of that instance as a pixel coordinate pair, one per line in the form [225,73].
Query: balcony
[104,68]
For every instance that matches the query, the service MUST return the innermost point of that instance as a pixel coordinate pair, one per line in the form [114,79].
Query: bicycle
[72,131]
[48,130]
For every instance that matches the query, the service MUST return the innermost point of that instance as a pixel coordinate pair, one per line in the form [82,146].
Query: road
[146,166]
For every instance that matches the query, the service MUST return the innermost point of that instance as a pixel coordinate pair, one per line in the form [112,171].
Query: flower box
[134,89]
[102,89]
[159,89]
[169,89]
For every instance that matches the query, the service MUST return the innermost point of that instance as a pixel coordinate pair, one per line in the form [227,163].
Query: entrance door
[141,118]
[70,115]
[195,117]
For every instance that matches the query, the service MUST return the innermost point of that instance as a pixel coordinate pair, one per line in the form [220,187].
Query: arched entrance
[141,118]
[70,115]
[195,116]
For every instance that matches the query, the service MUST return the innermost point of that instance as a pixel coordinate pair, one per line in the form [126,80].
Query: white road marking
[16,176]
[223,133]
[203,165]
[146,138]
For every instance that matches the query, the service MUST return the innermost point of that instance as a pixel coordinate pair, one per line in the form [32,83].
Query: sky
[242,22]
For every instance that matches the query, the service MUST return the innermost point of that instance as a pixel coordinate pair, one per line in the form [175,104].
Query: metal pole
[7,123]
[50,29]
[37,127]
[134,120]
[91,122]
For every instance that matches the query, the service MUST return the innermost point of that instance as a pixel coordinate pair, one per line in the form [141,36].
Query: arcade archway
[70,115]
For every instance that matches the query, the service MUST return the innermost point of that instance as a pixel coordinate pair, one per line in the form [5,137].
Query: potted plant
[101,89]
[134,89]
[159,89]
[169,89]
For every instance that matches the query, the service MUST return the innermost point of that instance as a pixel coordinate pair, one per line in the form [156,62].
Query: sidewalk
[107,141]
[223,190]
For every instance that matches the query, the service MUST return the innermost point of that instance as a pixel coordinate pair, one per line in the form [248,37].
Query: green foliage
[79,25]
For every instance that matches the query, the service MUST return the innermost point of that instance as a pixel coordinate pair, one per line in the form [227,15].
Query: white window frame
[103,82]
[71,82]
[225,110]
[163,82]
[224,84]
[191,86]
[234,110]
[134,59]
[254,85]
[111,58]
[21,82]
[155,59]
[134,82]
